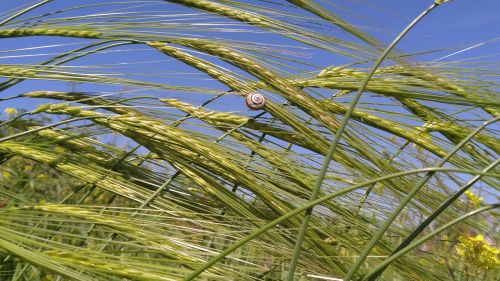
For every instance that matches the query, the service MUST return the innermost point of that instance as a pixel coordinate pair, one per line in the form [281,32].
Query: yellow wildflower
[473,199]
[10,111]
[475,251]
[6,175]
[330,240]
[379,187]
[440,2]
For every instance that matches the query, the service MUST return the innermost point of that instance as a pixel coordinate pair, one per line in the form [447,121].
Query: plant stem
[320,200]
[408,248]
[46,127]
[408,198]
[20,13]
[333,147]
[436,213]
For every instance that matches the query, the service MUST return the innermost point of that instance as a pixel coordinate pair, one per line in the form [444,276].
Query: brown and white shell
[255,101]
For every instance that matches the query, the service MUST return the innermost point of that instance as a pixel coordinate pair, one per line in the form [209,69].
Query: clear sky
[460,23]
[469,27]
[455,26]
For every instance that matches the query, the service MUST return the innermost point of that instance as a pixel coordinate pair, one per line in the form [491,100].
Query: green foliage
[154,169]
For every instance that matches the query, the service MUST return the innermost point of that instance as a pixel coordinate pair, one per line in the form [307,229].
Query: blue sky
[455,26]
[458,24]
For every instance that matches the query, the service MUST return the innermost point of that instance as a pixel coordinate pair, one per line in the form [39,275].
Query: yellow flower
[330,240]
[6,175]
[475,251]
[440,2]
[10,111]
[473,199]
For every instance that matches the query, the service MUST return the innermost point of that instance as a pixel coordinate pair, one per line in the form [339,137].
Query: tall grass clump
[127,151]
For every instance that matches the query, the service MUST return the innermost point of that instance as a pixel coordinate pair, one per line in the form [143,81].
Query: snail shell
[255,101]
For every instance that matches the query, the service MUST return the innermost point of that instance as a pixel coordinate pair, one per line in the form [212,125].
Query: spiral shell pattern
[255,101]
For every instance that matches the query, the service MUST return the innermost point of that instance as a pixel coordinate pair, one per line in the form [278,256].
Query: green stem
[20,13]
[333,147]
[46,127]
[33,257]
[436,213]
[388,221]
[408,248]
[13,81]
[299,210]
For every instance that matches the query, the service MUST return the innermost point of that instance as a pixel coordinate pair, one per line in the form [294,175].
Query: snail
[255,101]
